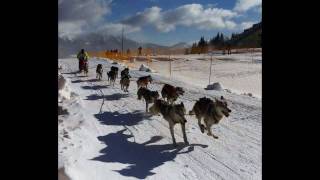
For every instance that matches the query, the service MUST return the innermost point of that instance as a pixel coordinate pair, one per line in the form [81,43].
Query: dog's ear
[181,104]
[221,97]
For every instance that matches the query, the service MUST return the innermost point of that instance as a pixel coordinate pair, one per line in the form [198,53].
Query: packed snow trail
[108,135]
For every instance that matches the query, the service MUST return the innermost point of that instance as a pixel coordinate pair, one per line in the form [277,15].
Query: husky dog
[99,71]
[111,77]
[125,82]
[212,112]
[171,92]
[173,114]
[124,72]
[148,96]
[143,81]
[115,69]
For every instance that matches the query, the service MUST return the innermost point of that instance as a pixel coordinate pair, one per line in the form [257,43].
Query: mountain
[180,45]
[102,42]
[93,42]
[153,46]
[250,37]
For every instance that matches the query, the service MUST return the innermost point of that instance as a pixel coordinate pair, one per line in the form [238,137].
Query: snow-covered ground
[240,73]
[106,133]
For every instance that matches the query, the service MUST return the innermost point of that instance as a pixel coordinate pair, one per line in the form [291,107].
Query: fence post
[170,65]
[210,70]
[252,54]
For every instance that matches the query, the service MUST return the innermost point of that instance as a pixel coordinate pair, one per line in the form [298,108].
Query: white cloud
[148,16]
[187,15]
[246,25]
[245,5]
[116,28]
[70,29]
[258,9]
[76,16]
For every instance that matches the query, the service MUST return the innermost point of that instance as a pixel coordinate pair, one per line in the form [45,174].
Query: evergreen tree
[217,39]
[194,48]
[202,45]
[221,39]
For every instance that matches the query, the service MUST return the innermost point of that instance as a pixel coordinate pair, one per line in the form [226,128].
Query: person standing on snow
[83,59]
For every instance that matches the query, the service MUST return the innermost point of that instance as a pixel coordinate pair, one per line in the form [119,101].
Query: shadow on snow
[118,119]
[143,158]
[112,97]
[95,87]
[89,80]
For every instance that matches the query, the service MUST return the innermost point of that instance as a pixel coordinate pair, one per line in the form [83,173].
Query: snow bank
[215,86]
[145,68]
[64,90]
[62,175]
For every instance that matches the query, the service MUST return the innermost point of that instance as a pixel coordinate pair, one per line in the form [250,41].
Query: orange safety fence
[126,59]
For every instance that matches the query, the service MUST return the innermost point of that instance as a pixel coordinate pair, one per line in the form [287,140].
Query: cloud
[245,5]
[190,15]
[75,16]
[246,25]
[78,17]
[116,28]
[85,10]
[70,29]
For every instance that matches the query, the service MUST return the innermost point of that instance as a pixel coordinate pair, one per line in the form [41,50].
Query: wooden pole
[210,70]
[252,54]
[170,65]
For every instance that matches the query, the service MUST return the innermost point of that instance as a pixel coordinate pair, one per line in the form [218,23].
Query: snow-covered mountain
[99,42]
[180,45]
[93,42]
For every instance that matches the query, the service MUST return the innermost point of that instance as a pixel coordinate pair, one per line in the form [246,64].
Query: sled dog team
[211,112]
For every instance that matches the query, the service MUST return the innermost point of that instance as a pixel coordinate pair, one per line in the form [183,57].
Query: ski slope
[107,134]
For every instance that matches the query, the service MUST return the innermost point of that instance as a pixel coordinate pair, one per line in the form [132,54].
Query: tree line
[221,42]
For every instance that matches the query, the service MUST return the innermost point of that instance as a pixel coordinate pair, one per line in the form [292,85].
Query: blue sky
[164,22]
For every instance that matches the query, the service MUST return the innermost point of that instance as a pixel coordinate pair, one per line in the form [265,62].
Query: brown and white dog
[148,96]
[174,114]
[143,81]
[171,92]
[125,82]
[212,112]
